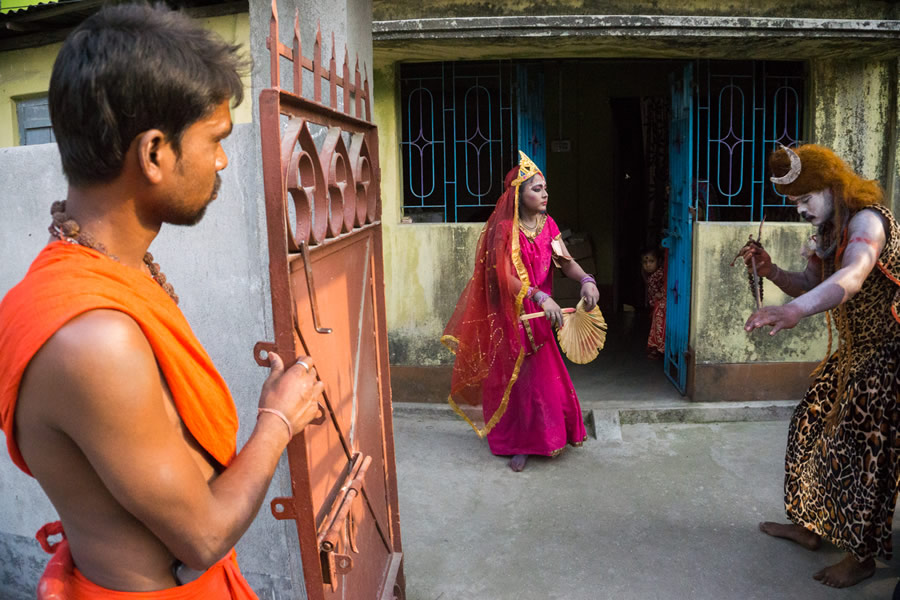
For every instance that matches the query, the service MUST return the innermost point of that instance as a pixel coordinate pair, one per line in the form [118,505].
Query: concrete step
[604,420]
[612,414]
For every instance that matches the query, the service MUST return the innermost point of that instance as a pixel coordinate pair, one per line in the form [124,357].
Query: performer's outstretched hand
[763,260]
[778,317]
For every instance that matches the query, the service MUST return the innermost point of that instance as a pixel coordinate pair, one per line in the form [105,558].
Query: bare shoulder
[869,223]
[99,355]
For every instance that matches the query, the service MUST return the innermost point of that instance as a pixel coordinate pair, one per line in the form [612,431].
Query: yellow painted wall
[426,265]
[722,302]
[26,73]
[856,112]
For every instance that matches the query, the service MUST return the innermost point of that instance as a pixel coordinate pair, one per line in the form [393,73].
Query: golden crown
[527,169]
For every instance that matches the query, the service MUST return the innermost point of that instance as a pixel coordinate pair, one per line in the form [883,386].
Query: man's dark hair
[130,68]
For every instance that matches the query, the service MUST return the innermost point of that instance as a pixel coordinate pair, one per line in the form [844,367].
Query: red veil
[484,331]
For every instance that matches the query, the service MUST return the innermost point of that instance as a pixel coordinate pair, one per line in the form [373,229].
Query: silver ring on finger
[300,361]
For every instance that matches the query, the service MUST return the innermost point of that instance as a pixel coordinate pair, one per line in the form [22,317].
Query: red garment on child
[656,297]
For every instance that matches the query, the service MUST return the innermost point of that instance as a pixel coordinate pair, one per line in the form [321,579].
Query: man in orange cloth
[106,396]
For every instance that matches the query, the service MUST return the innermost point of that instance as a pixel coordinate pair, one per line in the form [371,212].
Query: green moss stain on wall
[722,301]
[430,267]
[426,266]
[853,110]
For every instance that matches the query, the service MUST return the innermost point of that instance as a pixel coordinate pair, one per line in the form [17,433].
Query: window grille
[458,138]
[744,110]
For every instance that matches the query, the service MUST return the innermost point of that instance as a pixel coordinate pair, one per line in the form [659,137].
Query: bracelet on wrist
[280,415]
[588,279]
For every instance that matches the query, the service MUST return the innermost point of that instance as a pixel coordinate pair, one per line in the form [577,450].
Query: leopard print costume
[843,486]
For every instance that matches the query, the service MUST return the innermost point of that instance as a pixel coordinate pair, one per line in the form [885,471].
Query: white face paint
[815,207]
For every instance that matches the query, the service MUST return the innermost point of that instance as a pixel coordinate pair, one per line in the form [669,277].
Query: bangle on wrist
[588,279]
[540,297]
[281,416]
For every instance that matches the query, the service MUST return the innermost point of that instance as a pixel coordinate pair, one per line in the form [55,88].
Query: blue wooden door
[530,106]
[679,239]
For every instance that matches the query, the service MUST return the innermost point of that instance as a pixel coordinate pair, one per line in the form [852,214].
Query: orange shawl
[66,280]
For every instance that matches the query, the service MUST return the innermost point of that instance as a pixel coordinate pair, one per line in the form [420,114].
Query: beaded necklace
[68,230]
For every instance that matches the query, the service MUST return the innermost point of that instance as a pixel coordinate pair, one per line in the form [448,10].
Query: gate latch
[331,529]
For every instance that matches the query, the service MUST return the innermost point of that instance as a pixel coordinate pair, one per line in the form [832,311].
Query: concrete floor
[668,513]
[622,372]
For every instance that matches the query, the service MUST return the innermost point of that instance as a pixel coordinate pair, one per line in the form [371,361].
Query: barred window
[458,138]
[744,110]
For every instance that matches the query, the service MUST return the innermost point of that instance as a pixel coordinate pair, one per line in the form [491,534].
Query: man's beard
[180,215]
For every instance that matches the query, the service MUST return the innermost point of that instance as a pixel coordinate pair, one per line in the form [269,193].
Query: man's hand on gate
[294,391]
[778,317]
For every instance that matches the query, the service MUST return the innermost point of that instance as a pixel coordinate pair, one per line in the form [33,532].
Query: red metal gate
[323,211]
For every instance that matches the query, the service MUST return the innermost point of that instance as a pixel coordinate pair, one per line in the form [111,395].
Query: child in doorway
[655,279]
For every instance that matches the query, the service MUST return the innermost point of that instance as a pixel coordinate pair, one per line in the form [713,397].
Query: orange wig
[821,168]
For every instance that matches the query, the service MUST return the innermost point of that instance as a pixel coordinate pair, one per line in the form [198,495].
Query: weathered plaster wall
[414,9]
[722,302]
[426,266]
[856,113]
[26,73]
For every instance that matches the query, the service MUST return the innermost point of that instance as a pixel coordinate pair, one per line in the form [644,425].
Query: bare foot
[846,573]
[517,462]
[795,533]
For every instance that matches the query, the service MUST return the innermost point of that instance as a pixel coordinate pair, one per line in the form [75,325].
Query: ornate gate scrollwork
[321,177]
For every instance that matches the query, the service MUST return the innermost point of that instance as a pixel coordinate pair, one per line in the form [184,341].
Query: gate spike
[298,55]
[332,77]
[272,43]
[317,64]
[346,80]
[357,89]
[368,97]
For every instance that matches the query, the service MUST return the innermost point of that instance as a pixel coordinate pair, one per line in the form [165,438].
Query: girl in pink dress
[514,369]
